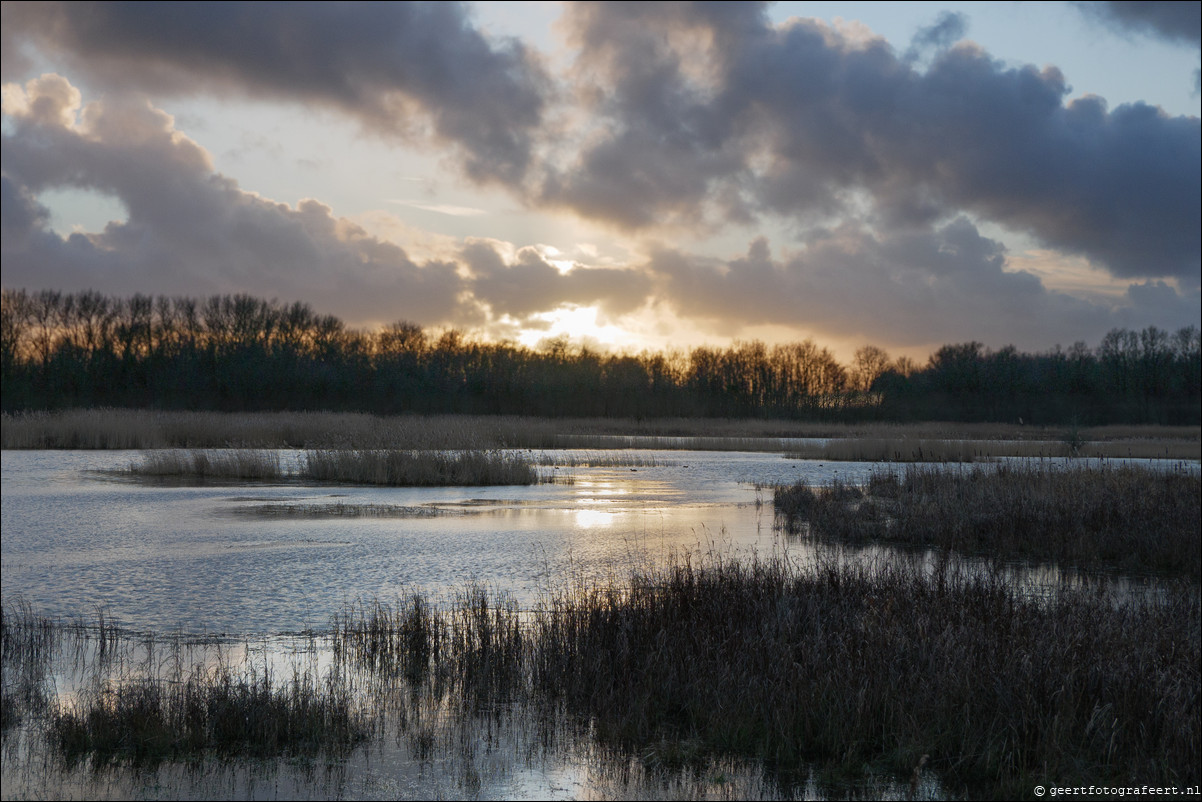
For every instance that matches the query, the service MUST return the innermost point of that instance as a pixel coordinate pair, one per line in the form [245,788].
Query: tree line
[241,353]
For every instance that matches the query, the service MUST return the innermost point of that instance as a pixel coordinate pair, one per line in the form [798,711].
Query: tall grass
[245,464]
[148,719]
[365,467]
[826,664]
[418,468]
[853,666]
[878,449]
[848,668]
[26,643]
[1124,516]
[128,429]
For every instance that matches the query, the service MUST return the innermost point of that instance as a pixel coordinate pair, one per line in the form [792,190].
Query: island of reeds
[1127,517]
[388,467]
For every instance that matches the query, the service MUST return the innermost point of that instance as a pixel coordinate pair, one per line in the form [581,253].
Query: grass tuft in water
[26,643]
[418,468]
[149,720]
[240,464]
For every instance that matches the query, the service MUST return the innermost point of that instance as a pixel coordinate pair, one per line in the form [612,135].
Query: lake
[262,559]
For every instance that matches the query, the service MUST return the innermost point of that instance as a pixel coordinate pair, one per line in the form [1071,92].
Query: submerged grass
[337,510]
[598,459]
[26,643]
[1091,516]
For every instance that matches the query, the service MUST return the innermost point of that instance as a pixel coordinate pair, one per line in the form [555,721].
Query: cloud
[528,284]
[707,114]
[442,208]
[674,115]
[192,230]
[912,288]
[947,29]
[189,229]
[1176,22]
[398,68]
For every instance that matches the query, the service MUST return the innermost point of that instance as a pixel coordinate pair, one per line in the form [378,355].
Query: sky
[631,175]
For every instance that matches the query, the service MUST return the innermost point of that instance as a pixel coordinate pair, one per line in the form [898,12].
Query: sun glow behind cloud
[580,325]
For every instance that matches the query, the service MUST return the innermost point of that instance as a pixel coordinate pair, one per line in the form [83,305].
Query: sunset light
[600,400]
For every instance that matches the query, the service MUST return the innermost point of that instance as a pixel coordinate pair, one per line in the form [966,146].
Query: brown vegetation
[846,668]
[1126,516]
[361,467]
[137,429]
[233,464]
[418,468]
[854,666]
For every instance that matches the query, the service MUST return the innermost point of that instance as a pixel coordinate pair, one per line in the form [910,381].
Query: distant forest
[241,353]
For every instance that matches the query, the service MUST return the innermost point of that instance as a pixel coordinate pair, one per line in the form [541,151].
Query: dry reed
[127,429]
[1090,516]
[364,467]
[875,449]
[239,464]
[149,720]
[845,668]
[418,468]
[848,667]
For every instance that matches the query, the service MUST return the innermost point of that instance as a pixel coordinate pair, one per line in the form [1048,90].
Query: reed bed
[142,429]
[155,429]
[858,671]
[877,449]
[234,464]
[362,467]
[850,667]
[598,459]
[1090,516]
[418,468]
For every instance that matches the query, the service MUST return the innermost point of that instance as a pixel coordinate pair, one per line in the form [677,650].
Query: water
[252,558]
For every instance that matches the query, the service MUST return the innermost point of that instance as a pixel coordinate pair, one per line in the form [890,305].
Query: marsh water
[254,569]
[262,559]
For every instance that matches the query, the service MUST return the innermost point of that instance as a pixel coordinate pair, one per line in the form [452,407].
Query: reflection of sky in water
[205,558]
[592,519]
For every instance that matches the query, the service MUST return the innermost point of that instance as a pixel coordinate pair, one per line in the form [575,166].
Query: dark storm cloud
[394,66]
[910,288]
[189,229]
[1174,21]
[708,113]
